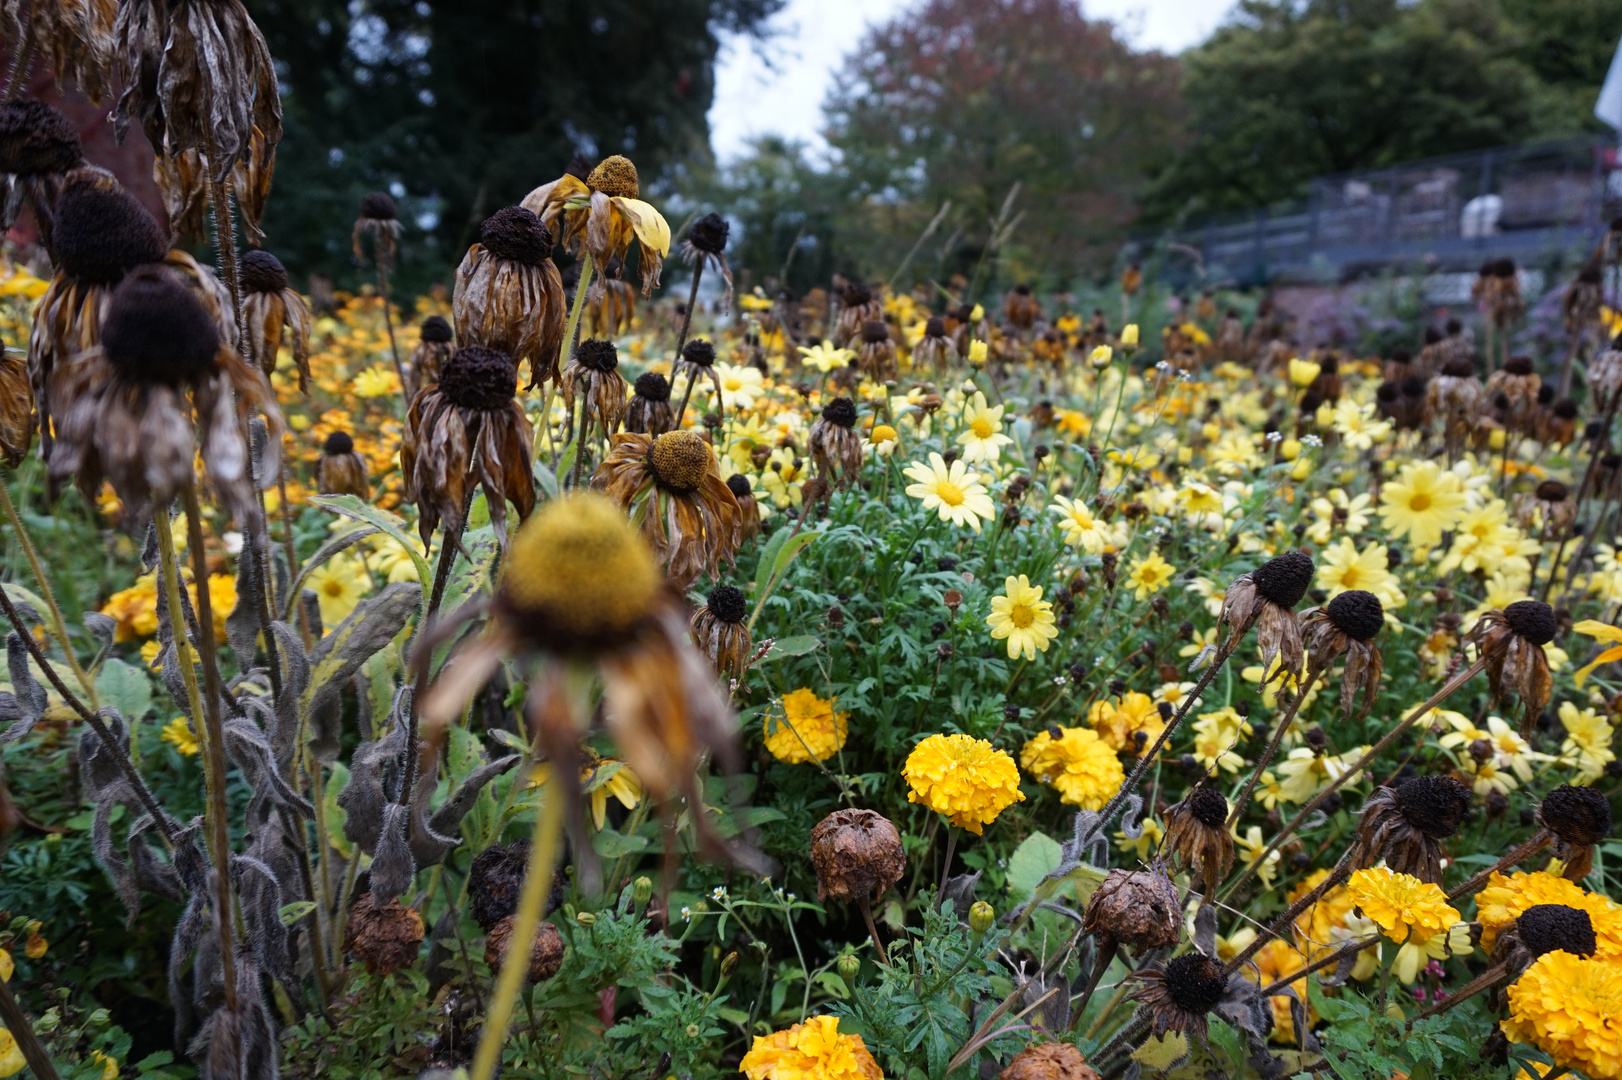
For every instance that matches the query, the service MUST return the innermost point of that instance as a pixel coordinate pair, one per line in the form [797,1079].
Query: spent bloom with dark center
[436,330]
[1357,614]
[1196,982]
[479,378]
[699,352]
[599,354]
[728,604]
[1533,620]
[338,443]
[157,332]
[263,272]
[875,331]
[517,234]
[679,460]
[709,234]
[379,206]
[1578,818]
[36,139]
[1435,805]
[1285,579]
[101,232]
[652,386]
[615,176]
[841,411]
[1546,928]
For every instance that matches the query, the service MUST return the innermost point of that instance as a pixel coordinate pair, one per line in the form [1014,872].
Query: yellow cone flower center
[615,176]
[1021,615]
[333,587]
[982,429]
[1420,501]
[1349,579]
[948,493]
[679,460]
[579,567]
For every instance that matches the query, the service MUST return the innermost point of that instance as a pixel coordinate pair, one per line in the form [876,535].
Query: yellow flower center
[1349,578]
[982,429]
[1021,615]
[732,383]
[579,567]
[332,587]
[1420,501]
[948,493]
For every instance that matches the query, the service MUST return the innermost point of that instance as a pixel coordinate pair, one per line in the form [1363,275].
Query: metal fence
[1528,203]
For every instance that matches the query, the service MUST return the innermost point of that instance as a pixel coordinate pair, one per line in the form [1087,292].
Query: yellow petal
[599,807]
[1595,629]
[6,966]
[1581,676]
[650,226]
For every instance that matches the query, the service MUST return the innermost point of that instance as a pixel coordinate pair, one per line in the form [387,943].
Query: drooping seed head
[1578,815]
[436,330]
[738,484]
[1196,982]
[857,295]
[679,460]
[841,411]
[36,140]
[727,603]
[652,386]
[101,232]
[337,443]
[263,272]
[1552,491]
[615,177]
[479,377]
[1285,579]
[709,234]
[1566,409]
[598,354]
[1533,620]
[935,327]
[1460,367]
[1413,386]
[1545,928]
[379,206]
[517,235]
[699,352]
[156,331]
[875,331]
[1208,806]
[1435,805]
[1518,365]
[1358,614]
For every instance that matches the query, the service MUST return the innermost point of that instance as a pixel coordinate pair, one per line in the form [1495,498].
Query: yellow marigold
[808,730]
[1571,1009]
[1119,722]
[967,779]
[1315,927]
[1506,897]
[813,1050]
[1080,765]
[135,609]
[1400,904]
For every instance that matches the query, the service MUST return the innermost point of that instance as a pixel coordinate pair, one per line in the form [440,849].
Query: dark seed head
[856,295]
[874,331]
[1566,409]
[1208,806]
[1578,815]
[101,232]
[1413,386]
[338,442]
[1401,356]
[263,272]
[738,484]
[1358,614]
[1532,620]
[1196,983]
[1388,392]
[1553,491]
[1545,393]
[935,327]
[699,352]
[599,354]
[436,330]
[379,206]
[518,235]
[841,411]
[1284,580]
[1518,365]
[1504,268]
[1460,367]
[652,387]
[477,377]
[1546,928]
[35,139]
[1435,805]
[156,331]
[709,234]
[727,603]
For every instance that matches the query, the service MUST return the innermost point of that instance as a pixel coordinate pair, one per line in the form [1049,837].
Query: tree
[960,99]
[782,204]
[1291,90]
[463,106]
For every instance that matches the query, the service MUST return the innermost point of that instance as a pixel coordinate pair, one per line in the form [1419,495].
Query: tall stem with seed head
[570,329]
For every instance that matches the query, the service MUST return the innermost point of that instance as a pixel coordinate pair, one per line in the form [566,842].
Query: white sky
[782,92]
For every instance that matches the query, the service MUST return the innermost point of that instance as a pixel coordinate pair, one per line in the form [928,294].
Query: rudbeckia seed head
[1414,386]
[709,234]
[1284,580]
[1196,982]
[263,272]
[700,352]
[857,294]
[379,206]
[1518,365]
[841,411]
[1460,367]
[653,386]
[598,354]
[101,232]
[875,331]
[1578,815]
[738,484]
[1357,614]
[935,327]
[727,603]
[517,235]
[1566,409]
[679,460]
[1552,491]
[1504,268]
[338,442]
[578,573]
[1208,806]
[436,330]
[615,177]
[1435,805]
[157,332]
[1545,928]
[1388,392]
[1533,620]
[36,139]
[478,377]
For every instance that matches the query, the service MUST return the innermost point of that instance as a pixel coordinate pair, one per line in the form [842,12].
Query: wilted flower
[274,312]
[876,352]
[1048,1061]
[340,470]
[1180,993]
[1511,642]
[720,628]
[1139,908]
[433,350]
[509,296]
[649,412]
[834,444]
[1346,626]
[1265,598]
[1405,825]
[592,375]
[38,146]
[1577,818]
[385,937]
[857,856]
[604,215]
[1197,835]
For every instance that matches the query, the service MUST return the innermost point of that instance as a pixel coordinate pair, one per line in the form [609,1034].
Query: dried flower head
[1180,993]
[1347,626]
[1048,1061]
[1511,642]
[603,215]
[1139,908]
[857,856]
[835,446]
[545,958]
[1265,598]
[275,314]
[1197,835]
[1545,928]
[428,359]
[593,374]
[342,471]
[673,485]
[509,295]
[720,629]
[876,355]
[1578,818]
[38,145]
[1405,825]
[385,938]
[706,245]
[649,412]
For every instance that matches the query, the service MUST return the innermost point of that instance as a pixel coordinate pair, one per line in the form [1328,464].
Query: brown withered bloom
[544,959]
[580,585]
[16,408]
[738,484]
[434,347]
[494,881]
[1559,424]
[1048,1061]
[857,855]
[38,146]
[1605,374]
[706,244]
[1139,908]
[1577,818]
[1457,398]
[274,313]
[673,486]
[1549,509]
[342,471]
[1020,308]
[1504,302]
[858,307]
[1265,598]
[467,429]
[1347,626]
[1511,642]
[875,355]
[834,444]
[649,412]
[379,219]
[1584,300]
[385,938]
[74,38]
[1540,929]
[1406,825]
[1513,390]
[592,375]
[1181,993]
[183,182]
[934,350]
[127,406]
[609,311]
[509,295]
[1197,835]
[697,361]
[603,214]
[720,629]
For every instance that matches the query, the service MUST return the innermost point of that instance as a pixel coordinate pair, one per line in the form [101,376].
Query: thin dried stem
[1539,841]
[15,1021]
[1314,670]
[1285,921]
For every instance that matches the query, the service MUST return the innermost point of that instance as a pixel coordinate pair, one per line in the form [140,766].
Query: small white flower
[1311,440]
[720,892]
[686,914]
[233,542]
[1273,438]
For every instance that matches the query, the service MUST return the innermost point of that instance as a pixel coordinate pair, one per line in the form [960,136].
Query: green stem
[58,627]
[571,327]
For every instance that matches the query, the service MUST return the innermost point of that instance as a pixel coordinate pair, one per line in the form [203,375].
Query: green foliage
[1362,1041]
[368,1032]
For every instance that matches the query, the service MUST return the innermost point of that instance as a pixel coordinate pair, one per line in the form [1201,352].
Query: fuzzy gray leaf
[393,867]
[1205,929]
[242,625]
[238,1045]
[246,745]
[102,629]
[959,892]
[107,799]
[259,894]
[433,839]
[188,931]
[295,677]
[29,693]
[371,626]
[364,797]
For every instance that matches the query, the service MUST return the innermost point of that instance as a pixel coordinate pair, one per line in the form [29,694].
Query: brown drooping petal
[835,446]
[720,628]
[509,295]
[274,313]
[1135,907]
[688,514]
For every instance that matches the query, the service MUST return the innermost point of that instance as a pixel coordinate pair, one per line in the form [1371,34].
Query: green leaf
[798,645]
[612,844]
[1037,857]
[1227,1039]
[372,625]
[352,507]
[768,559]
[292,913]
[547,480]
[509,740]
[323,553]
[791,547]
[125,687]
[463,755]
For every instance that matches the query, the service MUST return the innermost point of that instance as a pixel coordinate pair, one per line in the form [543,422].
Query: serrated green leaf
[125,687]
[612,844]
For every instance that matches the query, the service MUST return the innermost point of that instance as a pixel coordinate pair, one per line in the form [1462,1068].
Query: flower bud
[1129,336]
[729,964]
[981,917]
[586,918]
[642,889]
[848,966]
[1101,356]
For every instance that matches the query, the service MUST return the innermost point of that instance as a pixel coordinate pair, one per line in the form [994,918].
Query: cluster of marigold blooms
[131,340]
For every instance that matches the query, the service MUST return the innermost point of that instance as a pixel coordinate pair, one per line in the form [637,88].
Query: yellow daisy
[1023,618]
[953,490]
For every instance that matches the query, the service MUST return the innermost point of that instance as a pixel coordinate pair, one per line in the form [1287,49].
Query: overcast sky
[781,92]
